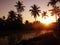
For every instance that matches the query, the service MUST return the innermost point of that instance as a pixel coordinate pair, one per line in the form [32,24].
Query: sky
[7,5]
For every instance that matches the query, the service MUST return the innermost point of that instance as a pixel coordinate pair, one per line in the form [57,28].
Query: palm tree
[55,11]
[44,14]
[53,2]
[35,11]
[19,6]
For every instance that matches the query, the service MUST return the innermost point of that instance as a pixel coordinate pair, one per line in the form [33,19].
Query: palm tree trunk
[35,19]
[59,16]
[56,17]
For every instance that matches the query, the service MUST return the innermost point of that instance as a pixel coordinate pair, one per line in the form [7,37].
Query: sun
[48,20]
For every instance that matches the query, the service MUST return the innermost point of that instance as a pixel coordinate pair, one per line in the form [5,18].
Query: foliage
[19,7]
[35,11]
[53,2]
[14,23]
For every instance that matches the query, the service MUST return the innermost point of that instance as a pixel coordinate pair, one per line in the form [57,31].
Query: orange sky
[7,5]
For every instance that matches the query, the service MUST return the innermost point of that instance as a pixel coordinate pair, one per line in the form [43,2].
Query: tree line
[14,20]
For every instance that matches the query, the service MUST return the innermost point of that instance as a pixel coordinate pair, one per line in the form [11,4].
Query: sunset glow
[48,20]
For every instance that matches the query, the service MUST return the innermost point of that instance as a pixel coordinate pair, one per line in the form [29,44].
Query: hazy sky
[7,5]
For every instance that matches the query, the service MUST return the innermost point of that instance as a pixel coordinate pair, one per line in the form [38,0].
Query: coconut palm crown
[35,11]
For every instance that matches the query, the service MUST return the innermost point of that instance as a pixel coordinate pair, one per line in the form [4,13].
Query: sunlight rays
[48,20]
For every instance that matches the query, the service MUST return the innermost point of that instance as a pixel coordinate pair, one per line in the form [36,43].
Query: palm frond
[35,11]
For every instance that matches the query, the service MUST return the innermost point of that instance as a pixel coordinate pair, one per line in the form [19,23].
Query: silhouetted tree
[27,25]
[53,2]
[19,21]
[4,22]
[55,11]
[1,24]
[20,7]
[11,25]
[35,11]
[44,14]
[11,16]
[3,17]
[2,27]
[19,18]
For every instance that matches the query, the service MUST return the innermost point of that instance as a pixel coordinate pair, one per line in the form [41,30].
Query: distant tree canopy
[14,20]
[11,16]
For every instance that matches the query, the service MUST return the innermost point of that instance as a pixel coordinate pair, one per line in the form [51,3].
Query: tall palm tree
[35,11]
[44,14]
[53,2]
[19,6]
[55,11]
